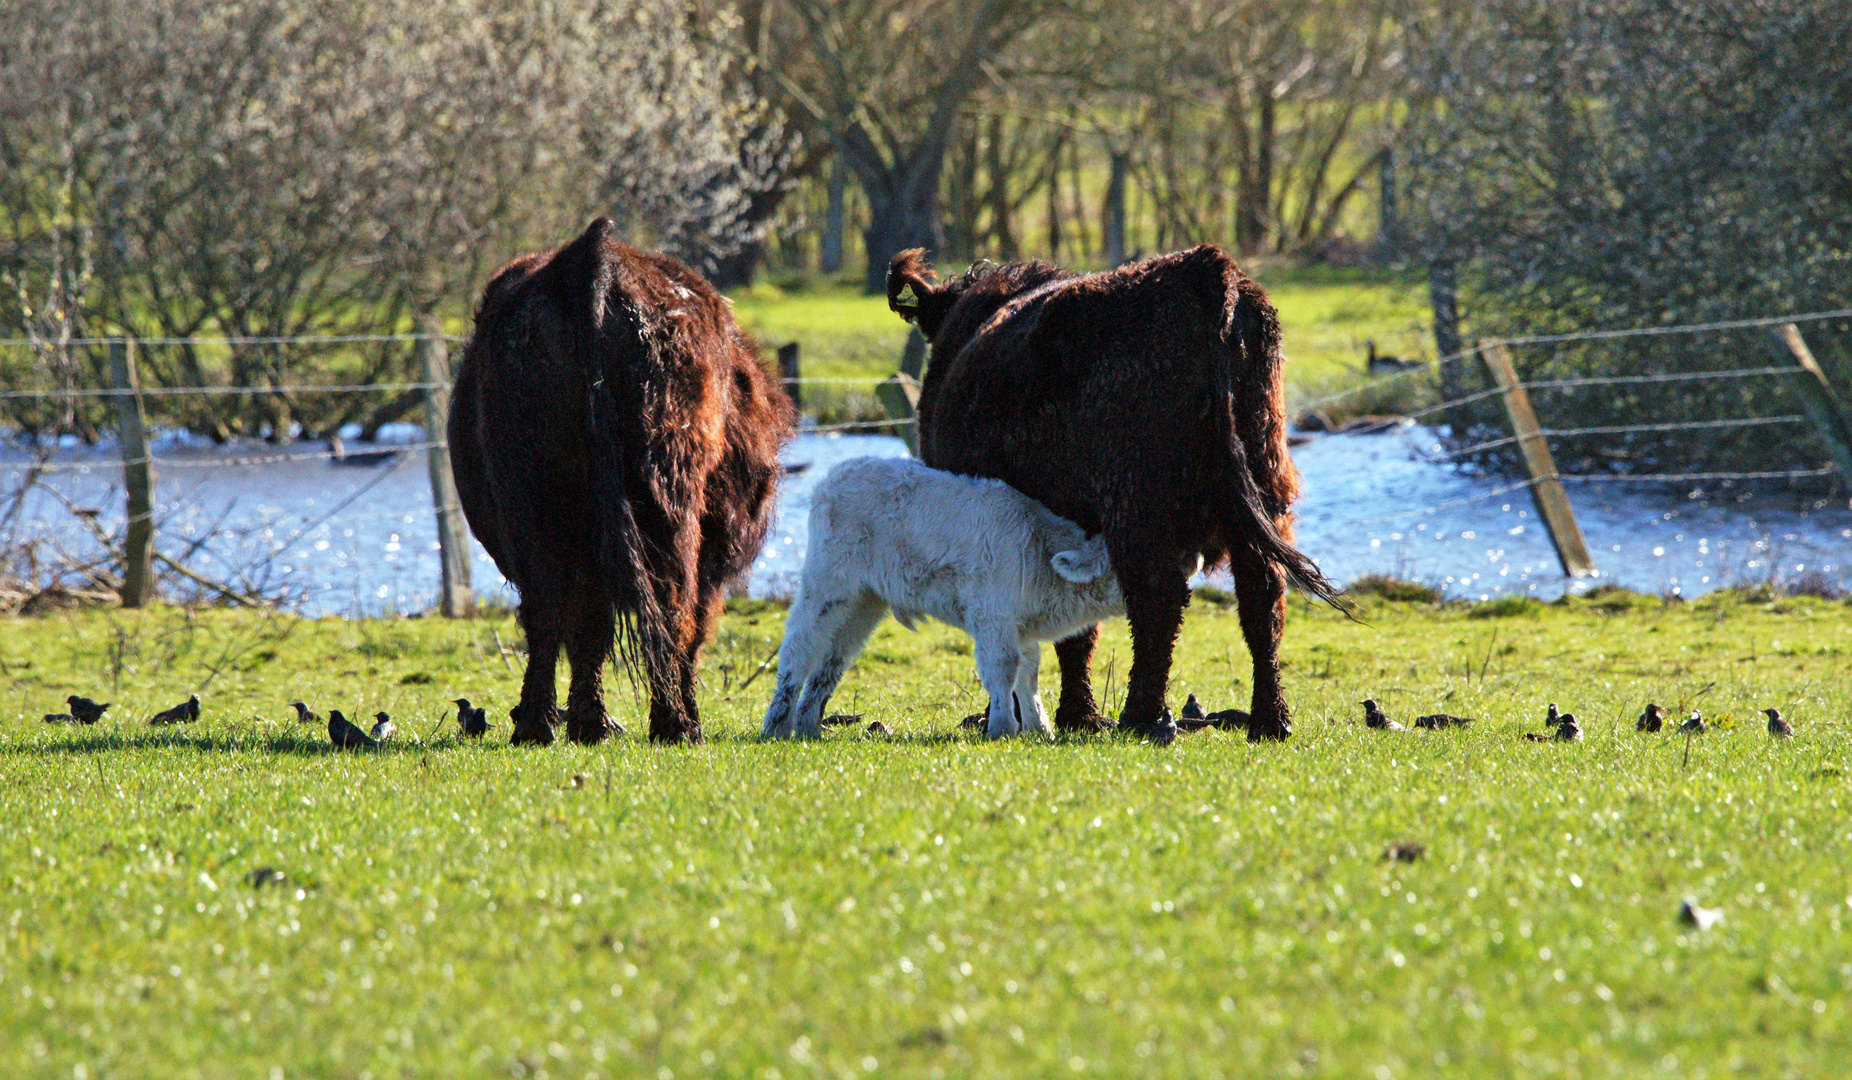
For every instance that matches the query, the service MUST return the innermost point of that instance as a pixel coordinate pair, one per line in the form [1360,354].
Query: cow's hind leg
[588,644]
[1077,711]
[1260,595]
[534,717]
[1156,592]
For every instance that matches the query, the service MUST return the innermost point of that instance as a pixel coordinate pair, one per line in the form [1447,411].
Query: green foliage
[235,893]
[1505,607]
[1389,587]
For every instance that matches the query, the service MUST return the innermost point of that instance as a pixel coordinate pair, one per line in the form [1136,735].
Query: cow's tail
[643,630]
[1249,412]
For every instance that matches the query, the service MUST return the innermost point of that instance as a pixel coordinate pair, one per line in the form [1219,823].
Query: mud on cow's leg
[1260,594]
[1155,595]
[534,717]
[588,645]
[1077,710]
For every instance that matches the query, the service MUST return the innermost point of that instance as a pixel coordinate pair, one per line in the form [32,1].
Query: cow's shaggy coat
[889,534]
[1144,403]
[615,445]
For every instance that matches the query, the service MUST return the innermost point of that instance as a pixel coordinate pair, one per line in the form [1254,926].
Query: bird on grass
[1694,724]
[1777,726]
[184,713]
[1192,710]
[1653,719]
[842,719]
[1164,732]
[85,710]
[304,715]
[1436,721]
[977,721]
[472,721]
[877,728]
[1374,716]
[383,727]
[60,718]
[346,735]
[1703,918]
[1553,716]
[1567,730]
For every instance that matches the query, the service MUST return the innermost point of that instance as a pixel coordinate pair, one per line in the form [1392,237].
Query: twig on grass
[758,671]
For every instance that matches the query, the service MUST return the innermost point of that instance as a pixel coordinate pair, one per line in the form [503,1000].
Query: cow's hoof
[590,729]
[1276,731]
[531,727]
[1088,724]
[675,734]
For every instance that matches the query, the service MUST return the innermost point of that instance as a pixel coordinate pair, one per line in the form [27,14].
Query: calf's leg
[842,630]
[1260,597]
[1027,690]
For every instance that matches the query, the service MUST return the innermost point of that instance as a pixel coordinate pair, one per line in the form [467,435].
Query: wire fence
[175,460]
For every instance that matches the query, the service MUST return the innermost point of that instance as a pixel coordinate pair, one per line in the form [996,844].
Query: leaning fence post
[1817,397]
[454,601]
[137,476]
[788,371]
[899,395]
[1546,486]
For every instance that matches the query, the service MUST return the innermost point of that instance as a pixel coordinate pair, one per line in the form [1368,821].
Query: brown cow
[1144,403]
[615,444]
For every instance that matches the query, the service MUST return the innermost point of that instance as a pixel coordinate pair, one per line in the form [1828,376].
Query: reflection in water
[344,540]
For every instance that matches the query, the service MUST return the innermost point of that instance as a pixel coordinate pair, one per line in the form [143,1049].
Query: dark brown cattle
[615,444]
[1144,403]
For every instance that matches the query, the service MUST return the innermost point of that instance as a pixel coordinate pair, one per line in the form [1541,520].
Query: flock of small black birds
[473,721]
[1561,726]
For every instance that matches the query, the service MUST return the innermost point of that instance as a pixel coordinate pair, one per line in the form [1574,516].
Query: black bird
[60,718]
[184,713]
[1374,716]
[1229,718]
[1191,711]
[1165,731]
[1384,364]
[473,721]
[383,727]
[1653,719]
[85,710]
[842,719]
[1694,724]
[1778,727]
[878,728]
[1568,730]
[1440,720]
[343,733]
[1552,716]
[303,714]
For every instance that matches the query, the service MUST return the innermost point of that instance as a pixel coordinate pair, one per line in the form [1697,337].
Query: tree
[886,86]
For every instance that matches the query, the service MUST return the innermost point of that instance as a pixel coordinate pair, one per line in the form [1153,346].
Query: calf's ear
[1082,564]
[910,284]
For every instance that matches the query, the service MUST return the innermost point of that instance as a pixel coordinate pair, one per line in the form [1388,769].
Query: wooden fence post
[1546,486]
[788,371]
[899,395]
[137,476]
[913,357]
[1817,397]
[454,601]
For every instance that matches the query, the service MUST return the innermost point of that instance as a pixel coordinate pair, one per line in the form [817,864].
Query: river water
[346,539]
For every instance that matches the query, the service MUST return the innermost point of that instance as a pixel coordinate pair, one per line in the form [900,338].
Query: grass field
[927,904]
[1327,313]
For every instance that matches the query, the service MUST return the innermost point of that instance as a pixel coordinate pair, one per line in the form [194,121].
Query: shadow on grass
[286,744]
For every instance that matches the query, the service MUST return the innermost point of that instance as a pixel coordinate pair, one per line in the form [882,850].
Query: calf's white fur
[890,533]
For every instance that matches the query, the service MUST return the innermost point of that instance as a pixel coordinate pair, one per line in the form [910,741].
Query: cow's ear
[910,284]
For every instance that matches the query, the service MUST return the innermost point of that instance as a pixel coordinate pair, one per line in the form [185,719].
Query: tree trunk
[1115,211]
[1443,294]
[898,220]
[1252,222]
[833,217]
[999,193]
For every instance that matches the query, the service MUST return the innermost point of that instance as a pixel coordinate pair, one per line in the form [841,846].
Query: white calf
[890,533]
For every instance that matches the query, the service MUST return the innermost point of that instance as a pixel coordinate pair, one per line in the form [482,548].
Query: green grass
[1328,313]
[932,905]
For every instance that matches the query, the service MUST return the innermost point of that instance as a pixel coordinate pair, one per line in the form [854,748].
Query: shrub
[1400,590]
[1505,607]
